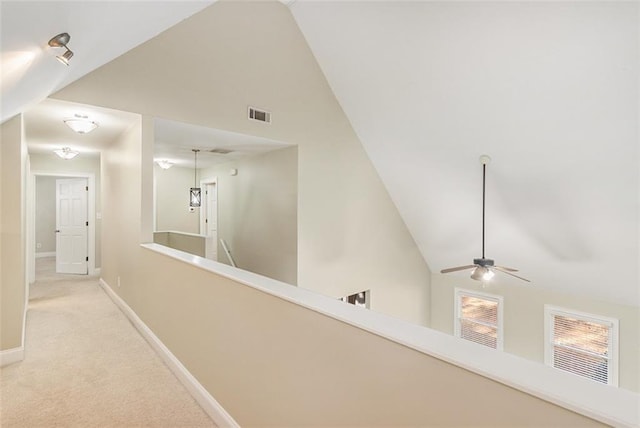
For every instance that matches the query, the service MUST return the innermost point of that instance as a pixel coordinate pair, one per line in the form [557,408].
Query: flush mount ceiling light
[61,41]
[66,153]
[81,124]
[164,164]
[483,269]
[195,196]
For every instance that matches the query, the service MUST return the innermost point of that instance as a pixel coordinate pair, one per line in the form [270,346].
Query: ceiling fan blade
[509,273]
[455,269]
[507,268]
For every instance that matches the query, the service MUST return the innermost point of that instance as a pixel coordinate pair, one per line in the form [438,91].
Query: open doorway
[47,133]
[248,208]
[63,222]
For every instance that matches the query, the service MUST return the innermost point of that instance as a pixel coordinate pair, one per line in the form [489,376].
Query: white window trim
[458,293]
[550,311]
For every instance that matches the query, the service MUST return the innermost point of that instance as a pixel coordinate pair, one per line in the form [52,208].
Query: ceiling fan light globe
[478,272]
[482,273]
[488,275]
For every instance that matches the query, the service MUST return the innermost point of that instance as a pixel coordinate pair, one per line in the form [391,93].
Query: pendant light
[195,195]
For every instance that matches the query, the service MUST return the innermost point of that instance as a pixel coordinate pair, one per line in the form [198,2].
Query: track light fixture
[61,41]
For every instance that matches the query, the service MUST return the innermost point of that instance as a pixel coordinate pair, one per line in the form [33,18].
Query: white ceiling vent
[259,115]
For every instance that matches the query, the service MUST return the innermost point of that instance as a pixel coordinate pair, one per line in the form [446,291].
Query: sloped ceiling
[548,89]
[100,31]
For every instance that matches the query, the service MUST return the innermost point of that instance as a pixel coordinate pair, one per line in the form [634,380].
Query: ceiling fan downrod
[483,268]
[484,173]
[484,160]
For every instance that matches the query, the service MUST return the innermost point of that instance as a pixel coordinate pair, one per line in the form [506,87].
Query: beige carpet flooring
[86,366]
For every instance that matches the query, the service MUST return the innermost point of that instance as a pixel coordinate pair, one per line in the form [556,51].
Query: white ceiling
[46,131]
[174,142]
[100,31]
[548,89]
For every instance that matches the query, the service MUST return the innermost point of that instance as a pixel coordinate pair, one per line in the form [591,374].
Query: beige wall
[314,371]
[45,214]
[257,213]
[191,244]
[524,319]
[121,174]
[270,371]
[172,200]
[350,235]
[12,233]
[50,164]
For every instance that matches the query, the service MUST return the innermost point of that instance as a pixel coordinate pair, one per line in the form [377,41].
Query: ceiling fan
[483,268]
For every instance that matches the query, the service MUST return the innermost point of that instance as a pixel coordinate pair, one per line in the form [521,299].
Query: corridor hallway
[86,366]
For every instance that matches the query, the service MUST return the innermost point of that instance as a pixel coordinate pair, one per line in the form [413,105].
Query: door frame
[203,212]
[91,216]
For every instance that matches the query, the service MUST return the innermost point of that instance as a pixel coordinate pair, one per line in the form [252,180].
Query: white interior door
[71,225]
[211,221]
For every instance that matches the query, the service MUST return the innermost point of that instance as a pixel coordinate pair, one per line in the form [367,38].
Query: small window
[479,318]
[582,344]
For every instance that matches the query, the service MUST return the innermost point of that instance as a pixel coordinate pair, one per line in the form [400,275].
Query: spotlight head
[65,57]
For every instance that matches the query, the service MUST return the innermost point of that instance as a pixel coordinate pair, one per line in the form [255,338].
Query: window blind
[478,319]
[582,346]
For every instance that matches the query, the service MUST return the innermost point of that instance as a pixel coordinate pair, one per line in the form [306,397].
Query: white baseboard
[11,356]
[96,272]
[49,254]
[199,393]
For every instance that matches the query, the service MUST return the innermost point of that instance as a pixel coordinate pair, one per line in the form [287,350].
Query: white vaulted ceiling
[548,89]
